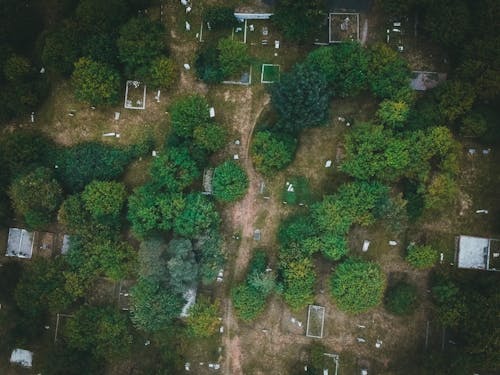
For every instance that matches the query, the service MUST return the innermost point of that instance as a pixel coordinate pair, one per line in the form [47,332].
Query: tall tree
[36,196]
[95,83]
[301,99]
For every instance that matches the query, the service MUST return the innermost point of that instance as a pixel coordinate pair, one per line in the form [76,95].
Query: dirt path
[242,215]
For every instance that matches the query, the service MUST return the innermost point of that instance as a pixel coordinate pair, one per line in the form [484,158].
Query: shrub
[36,196]
[95,83]
[272,152]
[247,301]
[212,137]
[357,285]
[233,57]
[220,17]
[298,284]
[162,73]
[203,319]
[401,298]
[230,182]
[187,113]
[421,256]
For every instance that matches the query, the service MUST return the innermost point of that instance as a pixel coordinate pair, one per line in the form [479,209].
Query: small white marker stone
[187,66]
[328,164]
[212,112]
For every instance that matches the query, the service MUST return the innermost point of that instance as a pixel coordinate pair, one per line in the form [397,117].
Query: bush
[298,284]
[357,285]
[198,216]
[401,298]
[301,99]
[220,17]
[421,257]
[187,113]
[36,196]
[473,125]
[230,182]
[95,83]
[344,65]
[233,57]
[207,65]
[78,165]
[162,73]
[272,152]
[203,319]
[247,301]
[104,200]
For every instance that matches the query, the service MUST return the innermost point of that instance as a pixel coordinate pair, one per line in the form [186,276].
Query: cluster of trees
[466,303]
[98,42]
[225,59]
[249,298]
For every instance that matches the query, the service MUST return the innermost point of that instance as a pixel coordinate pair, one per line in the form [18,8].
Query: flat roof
[22,357]
[473,252]
[19,243]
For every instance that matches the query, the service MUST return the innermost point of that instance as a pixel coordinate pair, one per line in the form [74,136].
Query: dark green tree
[301,99]
[187,113]
[154,306]
[102,330]
[299,20]
[230,182]
[198,215]
[140,42]
[62,48]
[401,298]
[345,67]
[220,17]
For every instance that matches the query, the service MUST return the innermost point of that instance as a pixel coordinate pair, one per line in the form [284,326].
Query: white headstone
[117,116]
[366,245]
[212,112]
[187,67]
[328,164]
[188,26]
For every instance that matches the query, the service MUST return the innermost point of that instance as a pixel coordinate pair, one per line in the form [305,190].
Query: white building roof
[22,357]
[473,252]
[19,243]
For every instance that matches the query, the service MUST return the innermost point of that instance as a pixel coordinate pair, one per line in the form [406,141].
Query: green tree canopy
[36,196]
[62,48]
[187,113]
[182,266]
[208,247]
[140,42]
[233,57]
[174,169]
[220,17]
[104,199]
[17,68]
[353,203]
[203,319]
[150,209]
[393,114]
[455,99]
[162,73]
[301,99]
[102,330]
[102,17]
[388,72]
[401,298]
[345,67]
[272,152]
[95,83]
[230,182]
[198,215]
[211,137]
[79,165]
[298,284]
[421,256]
[357,285]
[154,306]
[299,19]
